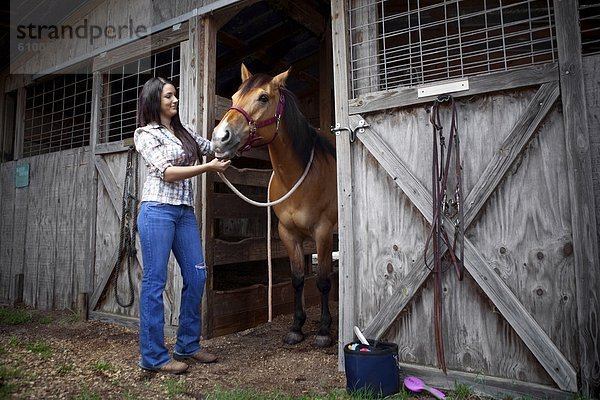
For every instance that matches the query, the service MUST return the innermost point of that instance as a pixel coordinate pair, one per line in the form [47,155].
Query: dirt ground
[56,356]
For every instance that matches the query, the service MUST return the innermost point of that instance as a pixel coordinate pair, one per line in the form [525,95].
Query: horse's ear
[280,79]
[245,73]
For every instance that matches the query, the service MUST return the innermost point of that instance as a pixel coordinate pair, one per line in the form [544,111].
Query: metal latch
[362,124]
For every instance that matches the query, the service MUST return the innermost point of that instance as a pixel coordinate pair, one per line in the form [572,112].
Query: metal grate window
[121,87]
[589,22]
[411,42]
[57,114]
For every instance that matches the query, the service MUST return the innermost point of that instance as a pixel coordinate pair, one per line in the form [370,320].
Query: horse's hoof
[323,341]
[293,337]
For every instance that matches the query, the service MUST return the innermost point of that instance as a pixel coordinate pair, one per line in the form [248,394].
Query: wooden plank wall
[43,231]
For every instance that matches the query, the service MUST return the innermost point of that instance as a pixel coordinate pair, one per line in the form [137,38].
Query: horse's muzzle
[225,142]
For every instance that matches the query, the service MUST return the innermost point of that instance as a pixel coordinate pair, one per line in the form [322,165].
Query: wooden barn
[524,78]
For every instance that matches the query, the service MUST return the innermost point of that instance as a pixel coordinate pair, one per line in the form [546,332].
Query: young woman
[166,221]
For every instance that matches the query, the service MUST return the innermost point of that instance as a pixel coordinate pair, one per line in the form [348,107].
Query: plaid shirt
[161,149]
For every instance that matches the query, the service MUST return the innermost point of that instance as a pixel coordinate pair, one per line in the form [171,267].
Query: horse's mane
[303,135]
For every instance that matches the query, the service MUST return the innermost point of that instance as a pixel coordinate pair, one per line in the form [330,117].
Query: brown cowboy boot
[172,367]
[200,356]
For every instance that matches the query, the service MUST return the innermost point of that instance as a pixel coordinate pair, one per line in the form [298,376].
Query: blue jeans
[162,228]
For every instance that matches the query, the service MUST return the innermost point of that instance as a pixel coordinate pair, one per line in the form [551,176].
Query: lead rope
[443,207]
[269,204]
[128,226]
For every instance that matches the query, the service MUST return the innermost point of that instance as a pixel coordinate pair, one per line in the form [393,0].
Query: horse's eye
[263,98]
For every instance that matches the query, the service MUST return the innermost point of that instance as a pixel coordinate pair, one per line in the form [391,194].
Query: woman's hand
[177,173]
[218,165]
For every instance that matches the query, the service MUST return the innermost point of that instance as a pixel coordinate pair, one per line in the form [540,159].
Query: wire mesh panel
[589,20]
[57,114]
[121,87]
[404,43]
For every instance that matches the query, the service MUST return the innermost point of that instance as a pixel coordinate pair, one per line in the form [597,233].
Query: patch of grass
[402,395]
[71,318]
[174,387]
[6,386]
[103,366]
[246,394]
[45,320]
[581,396]
[336,394]
[460,392]
[40,348]
[364,394]
[10,316]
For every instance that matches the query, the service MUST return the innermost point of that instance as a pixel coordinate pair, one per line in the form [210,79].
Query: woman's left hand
[217,165]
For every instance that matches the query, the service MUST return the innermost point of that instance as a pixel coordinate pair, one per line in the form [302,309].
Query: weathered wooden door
[517,322]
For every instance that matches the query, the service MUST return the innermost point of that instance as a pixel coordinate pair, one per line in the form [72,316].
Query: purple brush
[414,384]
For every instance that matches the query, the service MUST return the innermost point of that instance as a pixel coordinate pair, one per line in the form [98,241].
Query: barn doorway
[268,37]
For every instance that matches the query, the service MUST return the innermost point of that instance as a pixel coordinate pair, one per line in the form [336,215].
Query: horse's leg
[324,240]
[293,245]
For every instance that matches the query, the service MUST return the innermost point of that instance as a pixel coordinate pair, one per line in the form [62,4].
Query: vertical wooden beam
[85,281]
[82,306]
[209,75]
[206,61]
[344,177]
[188,112]
[325,81]
[20,123]
[196,47]
[585,241]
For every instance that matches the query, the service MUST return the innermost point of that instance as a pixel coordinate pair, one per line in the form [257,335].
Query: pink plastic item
[414,384]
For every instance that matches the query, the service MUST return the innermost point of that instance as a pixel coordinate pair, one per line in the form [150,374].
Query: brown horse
[265,112]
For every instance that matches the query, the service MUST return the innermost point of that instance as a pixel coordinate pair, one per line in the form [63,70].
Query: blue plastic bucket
[372,369]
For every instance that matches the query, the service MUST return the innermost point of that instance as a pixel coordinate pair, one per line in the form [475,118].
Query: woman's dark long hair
[149,111]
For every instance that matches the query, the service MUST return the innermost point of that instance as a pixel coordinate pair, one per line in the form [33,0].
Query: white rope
[268,204]
[269,262]
[275,202]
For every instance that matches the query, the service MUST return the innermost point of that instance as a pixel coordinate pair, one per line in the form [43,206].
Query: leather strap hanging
[442,206]
[128,228]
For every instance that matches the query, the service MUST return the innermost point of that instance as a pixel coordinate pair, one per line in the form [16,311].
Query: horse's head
[254,116]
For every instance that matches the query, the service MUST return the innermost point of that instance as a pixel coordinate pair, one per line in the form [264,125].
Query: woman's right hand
[217,165]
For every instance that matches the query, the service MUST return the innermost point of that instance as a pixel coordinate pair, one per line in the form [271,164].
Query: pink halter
[255,125]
